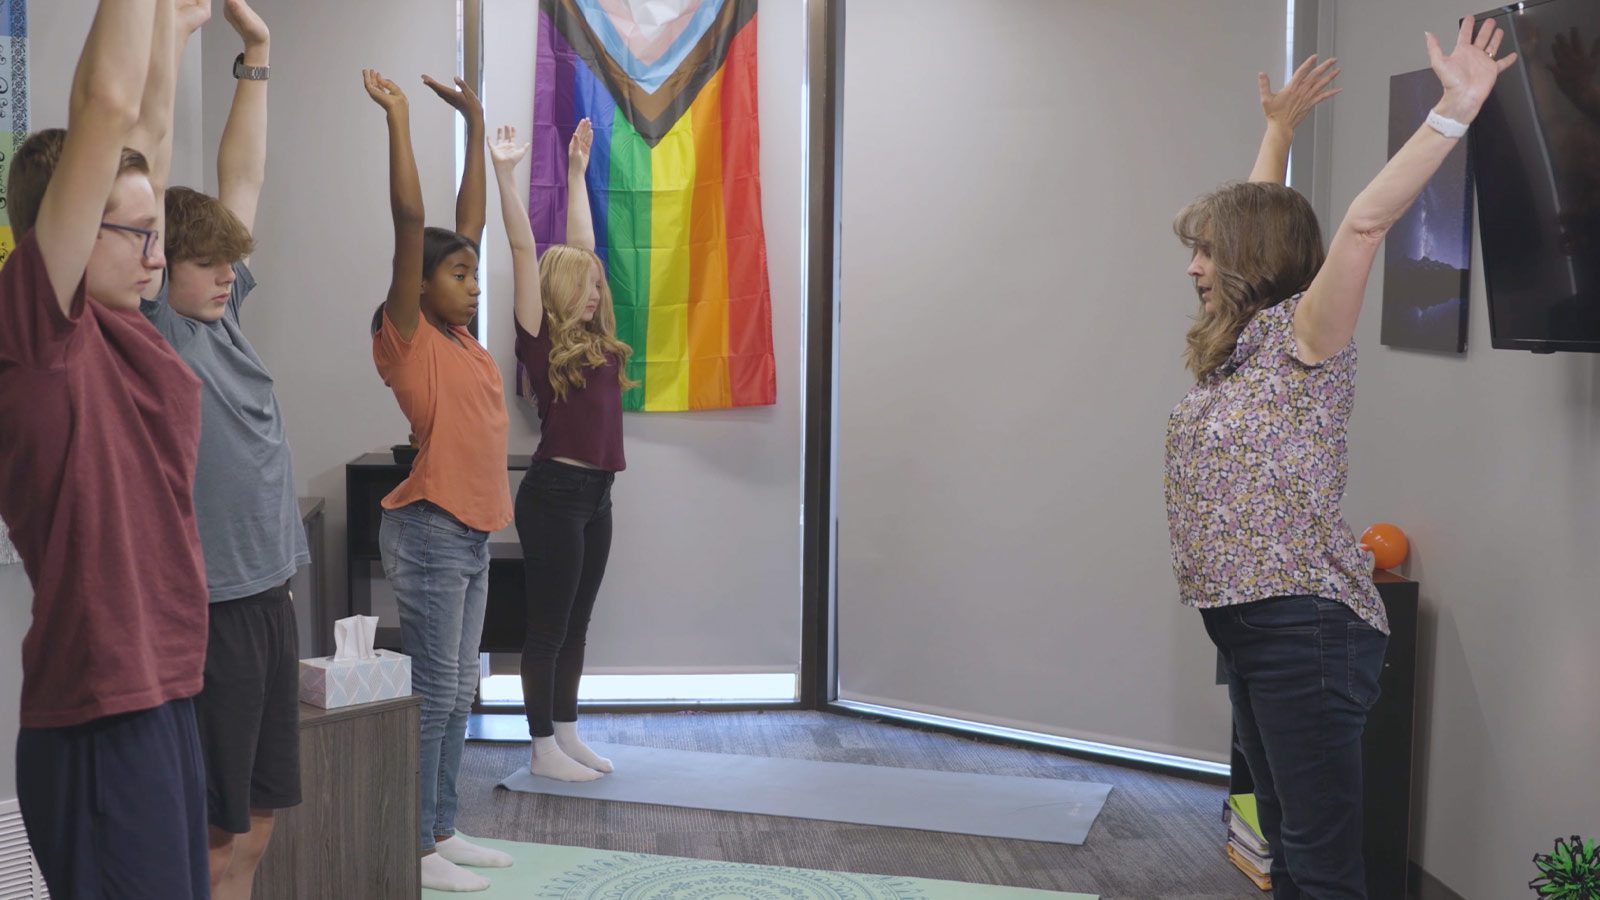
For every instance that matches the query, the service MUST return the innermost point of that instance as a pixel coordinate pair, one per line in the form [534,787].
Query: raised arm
[1285,110]
[174,24]
[580,219]
[404,302]
[1326,318]
[507,154]
[242,158]
[471,199]
[104,108]
[151,135]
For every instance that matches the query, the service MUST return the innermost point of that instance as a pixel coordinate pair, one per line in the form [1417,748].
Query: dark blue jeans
[1302,674]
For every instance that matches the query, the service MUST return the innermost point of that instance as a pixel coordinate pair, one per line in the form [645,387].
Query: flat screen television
[1535,151]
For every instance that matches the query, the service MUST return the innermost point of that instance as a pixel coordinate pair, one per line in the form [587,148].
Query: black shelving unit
[370,478]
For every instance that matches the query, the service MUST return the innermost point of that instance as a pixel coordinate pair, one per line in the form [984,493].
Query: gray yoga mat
[1003,806]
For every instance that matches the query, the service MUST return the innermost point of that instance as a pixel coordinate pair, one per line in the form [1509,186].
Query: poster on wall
[13,130]
[674,184]
[1428,255]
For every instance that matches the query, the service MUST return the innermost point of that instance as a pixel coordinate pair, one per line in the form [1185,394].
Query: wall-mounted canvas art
[1428,255]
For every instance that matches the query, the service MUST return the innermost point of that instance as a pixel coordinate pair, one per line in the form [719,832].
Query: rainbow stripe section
[674,182]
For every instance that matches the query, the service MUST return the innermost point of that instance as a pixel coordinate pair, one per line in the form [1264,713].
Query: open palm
[578,147]
[504,149]
[1468,74]
[1311,84]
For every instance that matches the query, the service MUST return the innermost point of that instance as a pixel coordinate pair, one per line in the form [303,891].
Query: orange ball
[1387,543]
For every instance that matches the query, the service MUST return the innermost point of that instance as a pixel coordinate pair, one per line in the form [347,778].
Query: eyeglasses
[151,236]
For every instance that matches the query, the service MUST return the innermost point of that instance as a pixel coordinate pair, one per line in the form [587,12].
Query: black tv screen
[1536,166]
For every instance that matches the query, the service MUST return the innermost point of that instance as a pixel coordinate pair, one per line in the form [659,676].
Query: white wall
[1014,309]
[55,37]
[1491,462]
[324,233]
[705,568]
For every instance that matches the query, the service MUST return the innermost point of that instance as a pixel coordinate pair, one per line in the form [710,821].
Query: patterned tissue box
[331,683]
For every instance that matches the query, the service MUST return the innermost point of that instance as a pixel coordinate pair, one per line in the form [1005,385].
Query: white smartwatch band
[1446,126]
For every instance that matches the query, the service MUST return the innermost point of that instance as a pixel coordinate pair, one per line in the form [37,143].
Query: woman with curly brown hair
[1256,465]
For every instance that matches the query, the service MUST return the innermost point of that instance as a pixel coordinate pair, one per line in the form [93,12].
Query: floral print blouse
[1256,465]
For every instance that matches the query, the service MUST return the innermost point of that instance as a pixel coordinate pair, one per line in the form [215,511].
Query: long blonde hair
[564,275]
[1265,245]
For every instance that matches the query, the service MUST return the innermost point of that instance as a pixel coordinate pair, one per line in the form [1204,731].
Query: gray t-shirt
[244,497]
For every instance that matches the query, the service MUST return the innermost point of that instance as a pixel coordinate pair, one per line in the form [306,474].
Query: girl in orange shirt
[436,524]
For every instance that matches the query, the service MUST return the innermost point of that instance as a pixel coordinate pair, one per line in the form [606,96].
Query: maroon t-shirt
[99,433]
[587,424]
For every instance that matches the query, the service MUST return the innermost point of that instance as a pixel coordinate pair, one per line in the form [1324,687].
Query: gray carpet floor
[1159,837]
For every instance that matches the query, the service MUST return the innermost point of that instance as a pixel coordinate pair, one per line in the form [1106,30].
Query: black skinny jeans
[564,523]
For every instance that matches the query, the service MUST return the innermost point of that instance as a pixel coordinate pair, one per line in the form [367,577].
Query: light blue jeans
[439,569]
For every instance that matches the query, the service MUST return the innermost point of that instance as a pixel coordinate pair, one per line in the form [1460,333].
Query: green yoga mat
[546,872]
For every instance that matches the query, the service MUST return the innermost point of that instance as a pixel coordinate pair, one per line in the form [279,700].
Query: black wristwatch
[249,73]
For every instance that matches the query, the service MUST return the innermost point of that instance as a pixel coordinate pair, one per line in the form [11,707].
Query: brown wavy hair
[575,345]
[201,229]
[1265,246]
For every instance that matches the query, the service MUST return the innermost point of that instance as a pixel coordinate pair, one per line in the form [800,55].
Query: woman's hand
[1468,74]
[1306,88]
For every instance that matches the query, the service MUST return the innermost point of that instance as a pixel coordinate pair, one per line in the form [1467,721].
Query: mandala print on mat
[643,877]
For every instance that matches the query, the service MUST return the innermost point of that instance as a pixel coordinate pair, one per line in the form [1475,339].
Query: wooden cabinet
[354,835]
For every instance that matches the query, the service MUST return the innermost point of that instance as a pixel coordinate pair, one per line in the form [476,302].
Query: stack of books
[1247,849]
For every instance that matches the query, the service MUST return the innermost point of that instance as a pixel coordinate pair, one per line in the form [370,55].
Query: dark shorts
[249,709]
[115,808]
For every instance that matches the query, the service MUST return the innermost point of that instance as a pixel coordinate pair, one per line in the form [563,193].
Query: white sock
[567,740]
[441,874]
[549,760]
[463,852]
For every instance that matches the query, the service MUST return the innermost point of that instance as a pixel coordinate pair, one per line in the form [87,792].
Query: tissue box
[331,683]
